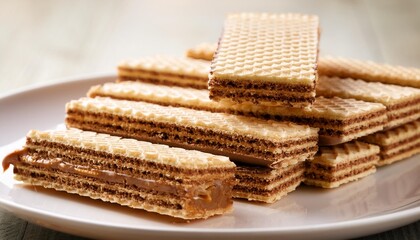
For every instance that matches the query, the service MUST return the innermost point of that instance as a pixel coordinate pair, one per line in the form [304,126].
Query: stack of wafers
[181,136]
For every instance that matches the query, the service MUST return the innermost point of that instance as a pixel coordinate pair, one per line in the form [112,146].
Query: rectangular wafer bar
[402,103]
[203,51]
[171,181]
[265,184]
[340,120]
[333,166]
[266,59]
[398,143]
[369,71]
[245,139]
[166,70]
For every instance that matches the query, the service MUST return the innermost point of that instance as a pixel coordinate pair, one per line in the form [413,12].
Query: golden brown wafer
[398,143]
[166,70]
[267,184]
[402,103]
[339,120]
[247,139]
[266,59]
[203,51]
[369,71]
[170,181]
[335,165]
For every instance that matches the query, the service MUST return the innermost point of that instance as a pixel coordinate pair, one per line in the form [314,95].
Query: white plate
[388,199]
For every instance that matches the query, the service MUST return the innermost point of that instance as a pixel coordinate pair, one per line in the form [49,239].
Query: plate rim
[409,215]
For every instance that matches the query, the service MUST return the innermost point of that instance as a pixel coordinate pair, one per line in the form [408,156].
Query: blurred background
[46,40]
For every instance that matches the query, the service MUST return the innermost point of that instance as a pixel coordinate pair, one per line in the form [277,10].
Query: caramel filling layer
[212,195]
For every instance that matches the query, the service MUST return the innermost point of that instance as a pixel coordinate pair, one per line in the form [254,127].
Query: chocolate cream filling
[328,178]
[245,176]
[245,96]
[266,192]
[384,156]
[84,156]
[193,139]
[399,143]
[249,85]
[341,166]
[404,104]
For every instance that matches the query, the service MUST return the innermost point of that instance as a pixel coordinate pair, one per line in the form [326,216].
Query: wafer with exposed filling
[340,120]
[369,71]
[202,51]
[266,59]
[167,70]
[335,165]
[171,181]
[265,184]
[398,143]
[247,139]
[402,103]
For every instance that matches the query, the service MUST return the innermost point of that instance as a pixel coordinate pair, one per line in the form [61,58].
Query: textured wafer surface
[267,184]
[147,176]
[403,103]
[69,187]
[335,165]
[335,184]
[161,94]
[368,91]
[168,64]
[369,71]
[333,155]
[329,108]
[397,143]
[326,113]
[244,139]
[268,47]
[132,148]
[204,51]
[394,135]
[262,129]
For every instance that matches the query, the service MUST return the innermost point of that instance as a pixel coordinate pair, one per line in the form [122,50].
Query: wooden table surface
[42,41]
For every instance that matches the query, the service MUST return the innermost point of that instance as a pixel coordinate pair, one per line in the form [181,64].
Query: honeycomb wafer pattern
[369,71]
[332,108]
[202,51]
[268,47]
[367,91]
[160,93]
[340,107]
[232,124]
[345,152]
[329,108]
[131,148]
[168,64]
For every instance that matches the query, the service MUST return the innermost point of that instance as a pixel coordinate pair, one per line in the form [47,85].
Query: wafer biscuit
[203,51]
[171,181]
[267,184]
[166,70]
[339,120]
[333,166]
[398,143]
[402,103]
[369,71]
[246,139]
[266,59]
